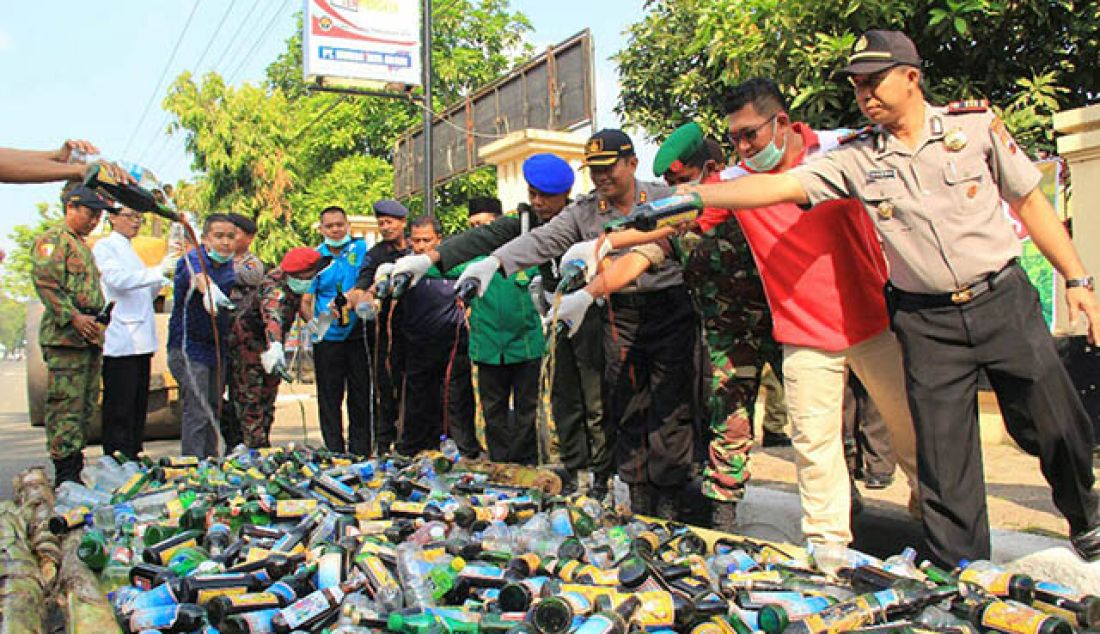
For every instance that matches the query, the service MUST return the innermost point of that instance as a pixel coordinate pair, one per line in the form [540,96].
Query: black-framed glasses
[871,81]
[748,135]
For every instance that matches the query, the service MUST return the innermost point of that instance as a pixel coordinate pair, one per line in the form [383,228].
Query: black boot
[67,469]
[668,504]
[601,486]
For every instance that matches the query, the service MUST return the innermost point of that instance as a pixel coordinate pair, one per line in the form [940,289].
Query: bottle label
[598,624]
[159,597]
[369,510]
[254,600]
[204,596]
[256,554]
[994,581]
[131,484]
[408,508]
[1009,617]
[294,508]
[602,576]
[167,554]
[656,610]
[329,571]
[378,575]
[840,617]
[154,618]
[306,608]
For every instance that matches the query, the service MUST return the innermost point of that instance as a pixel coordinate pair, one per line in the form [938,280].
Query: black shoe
[723,516]
[875,481]
[68,469]
[641,499]
[1087,544]
[776,439]
[568,480]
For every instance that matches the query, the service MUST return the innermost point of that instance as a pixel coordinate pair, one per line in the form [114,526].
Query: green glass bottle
[93,549]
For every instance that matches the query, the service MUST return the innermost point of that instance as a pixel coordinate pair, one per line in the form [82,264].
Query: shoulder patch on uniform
[45,249]
[965,106]
[861,133]
[998,127]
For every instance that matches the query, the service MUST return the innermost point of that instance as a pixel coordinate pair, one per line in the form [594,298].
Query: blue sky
[89,69]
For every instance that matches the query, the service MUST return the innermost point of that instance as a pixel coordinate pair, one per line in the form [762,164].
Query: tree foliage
[280,153]
[16,282]
[1030,58]
[13,316]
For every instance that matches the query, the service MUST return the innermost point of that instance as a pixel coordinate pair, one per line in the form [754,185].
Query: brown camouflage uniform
[263,316]
[67,281]
[249,272]
[725,283]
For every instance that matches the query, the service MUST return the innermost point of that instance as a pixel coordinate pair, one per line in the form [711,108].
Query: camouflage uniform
[725,284]
[67,281]
[250,273]
[264,316]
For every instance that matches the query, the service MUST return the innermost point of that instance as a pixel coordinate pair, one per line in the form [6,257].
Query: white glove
[417,265]
[586,252]
[273,357]
[219,298]
[320,324]
[482,271]
[571,311]
[383,272]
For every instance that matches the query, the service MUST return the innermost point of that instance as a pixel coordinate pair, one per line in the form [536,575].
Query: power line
[210,42]
[232,53]
[263,37]
[237,33]
[163,74]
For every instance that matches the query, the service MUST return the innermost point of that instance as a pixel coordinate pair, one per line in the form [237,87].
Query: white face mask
[768,158]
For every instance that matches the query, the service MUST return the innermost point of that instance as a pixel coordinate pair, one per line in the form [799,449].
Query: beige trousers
[814,381]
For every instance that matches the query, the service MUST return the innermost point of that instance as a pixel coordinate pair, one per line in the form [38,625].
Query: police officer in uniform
[933,180]
[649,370]
[67,281]
[576,402]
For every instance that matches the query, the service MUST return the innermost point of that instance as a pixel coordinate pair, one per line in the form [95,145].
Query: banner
[362,42]
[1039,269]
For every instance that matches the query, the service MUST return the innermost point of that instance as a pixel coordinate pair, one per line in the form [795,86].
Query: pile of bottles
[295,539]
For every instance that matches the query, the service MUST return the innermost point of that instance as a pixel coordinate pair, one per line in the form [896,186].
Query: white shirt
[133,287]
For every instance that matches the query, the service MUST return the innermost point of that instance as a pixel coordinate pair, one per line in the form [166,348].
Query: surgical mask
[299,286]
[336,244]
[218,257]
[765,160]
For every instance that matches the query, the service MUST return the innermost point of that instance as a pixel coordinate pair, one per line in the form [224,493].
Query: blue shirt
[342,273]
[200,334]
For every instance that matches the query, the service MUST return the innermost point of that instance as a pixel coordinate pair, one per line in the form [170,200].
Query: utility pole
[426,63]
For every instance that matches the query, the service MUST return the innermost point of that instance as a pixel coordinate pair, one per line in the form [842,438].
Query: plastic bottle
[312,609]
[412,572]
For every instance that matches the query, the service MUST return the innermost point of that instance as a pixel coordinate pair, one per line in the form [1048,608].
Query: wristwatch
[1085,281]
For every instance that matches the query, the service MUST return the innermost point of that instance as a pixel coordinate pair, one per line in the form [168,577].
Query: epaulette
[968,106]
[861,133]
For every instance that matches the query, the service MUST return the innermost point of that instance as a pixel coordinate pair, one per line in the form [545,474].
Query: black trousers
[649,379]
[510,435]
[341,367]
[125,403]
[425,389]
[388,368]
[576,398]
[866,437]
[1002,332]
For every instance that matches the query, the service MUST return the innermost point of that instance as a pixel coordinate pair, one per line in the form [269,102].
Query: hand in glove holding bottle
[273,357]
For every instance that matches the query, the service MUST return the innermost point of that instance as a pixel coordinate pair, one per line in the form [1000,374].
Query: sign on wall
[373,43]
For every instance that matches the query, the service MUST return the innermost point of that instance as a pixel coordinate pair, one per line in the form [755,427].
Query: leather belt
[960,297]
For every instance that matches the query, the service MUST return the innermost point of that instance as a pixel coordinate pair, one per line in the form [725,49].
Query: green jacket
[504,325]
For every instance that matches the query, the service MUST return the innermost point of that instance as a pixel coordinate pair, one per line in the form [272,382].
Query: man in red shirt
[823,275]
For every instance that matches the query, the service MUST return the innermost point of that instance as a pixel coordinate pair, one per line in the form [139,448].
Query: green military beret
[684,142]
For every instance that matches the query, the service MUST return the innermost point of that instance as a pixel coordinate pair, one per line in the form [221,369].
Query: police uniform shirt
[938,207]
[340,274]
[582,220]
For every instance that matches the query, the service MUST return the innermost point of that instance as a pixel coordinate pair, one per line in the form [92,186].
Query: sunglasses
[748,135]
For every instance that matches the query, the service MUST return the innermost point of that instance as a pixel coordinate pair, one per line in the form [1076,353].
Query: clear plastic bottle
[412,571]
[449,448]
[71,495]
[105,474]
[903,564]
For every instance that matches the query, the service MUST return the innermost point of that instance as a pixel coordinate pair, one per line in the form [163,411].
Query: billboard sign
[373,43]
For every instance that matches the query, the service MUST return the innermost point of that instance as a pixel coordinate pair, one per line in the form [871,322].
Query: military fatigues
[650,333]
[722,275]
[263,317]
[250,273]
[576,402]
[959,304]
[67,281]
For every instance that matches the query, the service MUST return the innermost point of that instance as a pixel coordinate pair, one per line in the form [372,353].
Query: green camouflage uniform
[264,316]
[725,283]
[67,281]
